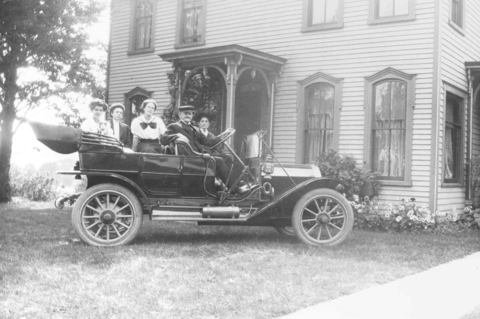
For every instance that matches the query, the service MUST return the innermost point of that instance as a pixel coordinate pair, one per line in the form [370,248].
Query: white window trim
[318,77]
[324,26]
[459,93]
[459,28]
[131,44]
[406,17]
[390,74]
[179,27]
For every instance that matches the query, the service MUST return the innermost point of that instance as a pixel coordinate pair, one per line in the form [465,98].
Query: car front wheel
[322,217]
[107,215]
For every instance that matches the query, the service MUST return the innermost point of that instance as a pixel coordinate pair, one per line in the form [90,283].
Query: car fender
[114,176]
[290,197]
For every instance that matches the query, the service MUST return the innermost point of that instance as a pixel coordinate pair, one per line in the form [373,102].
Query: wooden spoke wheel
[107,215]
[322,217]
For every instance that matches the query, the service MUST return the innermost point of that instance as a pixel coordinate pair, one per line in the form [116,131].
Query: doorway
[252,112]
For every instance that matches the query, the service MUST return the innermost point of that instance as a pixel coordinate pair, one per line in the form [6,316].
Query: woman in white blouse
[97,123]
[147,129]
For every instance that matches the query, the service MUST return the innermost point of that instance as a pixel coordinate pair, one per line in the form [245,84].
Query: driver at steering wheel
[184,130]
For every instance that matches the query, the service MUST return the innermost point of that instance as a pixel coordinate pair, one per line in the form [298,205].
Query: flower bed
[406,215]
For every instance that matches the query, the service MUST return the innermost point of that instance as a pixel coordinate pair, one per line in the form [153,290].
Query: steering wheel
[223,137]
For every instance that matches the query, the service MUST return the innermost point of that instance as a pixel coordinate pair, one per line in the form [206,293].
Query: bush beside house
[405,215]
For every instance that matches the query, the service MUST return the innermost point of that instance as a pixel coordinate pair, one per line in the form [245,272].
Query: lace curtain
[389,129]
[320,101]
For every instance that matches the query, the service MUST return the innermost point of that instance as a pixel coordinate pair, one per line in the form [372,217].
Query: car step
[185,213]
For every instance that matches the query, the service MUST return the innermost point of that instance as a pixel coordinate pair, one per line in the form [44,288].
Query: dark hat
[186,108]
[147,101]
[98,102]
[117,106]
[201,115]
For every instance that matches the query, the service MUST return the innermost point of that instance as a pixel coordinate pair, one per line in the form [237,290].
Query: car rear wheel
[322,217]
[107,215]
[286,230]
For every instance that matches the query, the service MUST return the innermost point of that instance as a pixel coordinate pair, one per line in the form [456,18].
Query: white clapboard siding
[456,49]
[351,53]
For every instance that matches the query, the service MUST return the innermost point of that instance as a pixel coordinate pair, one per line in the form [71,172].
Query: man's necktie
[144,125]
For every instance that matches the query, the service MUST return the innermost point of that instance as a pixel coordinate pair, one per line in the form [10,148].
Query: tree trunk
[6,133]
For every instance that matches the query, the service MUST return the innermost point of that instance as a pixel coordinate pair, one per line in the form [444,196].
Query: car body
[124,186]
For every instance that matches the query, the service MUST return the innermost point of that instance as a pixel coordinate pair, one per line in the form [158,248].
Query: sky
[27,151]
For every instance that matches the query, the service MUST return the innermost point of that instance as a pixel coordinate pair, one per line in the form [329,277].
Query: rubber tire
[285,231]
[297,225]
[102,188]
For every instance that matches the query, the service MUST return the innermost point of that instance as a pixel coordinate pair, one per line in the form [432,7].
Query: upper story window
[322,14]
[319,105]
[191,23]
[382,11]
[457,13]
[388,133]
[453,154]
[141,39]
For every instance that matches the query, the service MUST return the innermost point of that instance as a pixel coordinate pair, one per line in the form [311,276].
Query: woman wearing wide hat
[97,123]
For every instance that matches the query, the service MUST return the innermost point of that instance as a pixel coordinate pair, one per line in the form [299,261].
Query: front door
[252,112]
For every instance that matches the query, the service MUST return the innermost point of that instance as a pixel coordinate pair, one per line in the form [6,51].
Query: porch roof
[219,54]
[473,66]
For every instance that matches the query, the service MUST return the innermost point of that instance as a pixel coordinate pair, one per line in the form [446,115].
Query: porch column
[468,194]
[232,63]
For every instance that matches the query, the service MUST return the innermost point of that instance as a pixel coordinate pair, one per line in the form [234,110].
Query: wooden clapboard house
[392,82]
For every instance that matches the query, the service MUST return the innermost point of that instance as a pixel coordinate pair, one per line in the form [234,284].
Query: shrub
[344,168]
[406,215]
[35,186]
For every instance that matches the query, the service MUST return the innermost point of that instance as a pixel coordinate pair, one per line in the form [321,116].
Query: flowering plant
[406,215]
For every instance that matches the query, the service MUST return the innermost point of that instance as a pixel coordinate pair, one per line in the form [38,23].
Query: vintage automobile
[124,186]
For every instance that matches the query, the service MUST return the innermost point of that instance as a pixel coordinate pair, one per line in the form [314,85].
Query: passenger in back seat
[147,129]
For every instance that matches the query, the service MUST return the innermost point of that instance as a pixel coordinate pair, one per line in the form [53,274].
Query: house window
[452,150]
[191,23]
[389,129]
[132,101]
[319,104]
[318,134]
[382,11]
[457,12]
[142,26]
[388,126]
[322,14]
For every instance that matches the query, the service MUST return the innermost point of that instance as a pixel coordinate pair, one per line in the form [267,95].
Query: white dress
[89,125]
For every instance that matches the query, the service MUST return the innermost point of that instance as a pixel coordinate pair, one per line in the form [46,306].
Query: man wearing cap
[121,131]
[184,129]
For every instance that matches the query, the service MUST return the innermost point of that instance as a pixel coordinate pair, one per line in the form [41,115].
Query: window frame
[318,77]
[324,26]
[370,82]
[132,39]
[456,93]
[127,102]
[452,23]
[372,19]
[180,24]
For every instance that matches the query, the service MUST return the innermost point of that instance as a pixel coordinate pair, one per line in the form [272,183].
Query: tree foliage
[203,91]
[51,37]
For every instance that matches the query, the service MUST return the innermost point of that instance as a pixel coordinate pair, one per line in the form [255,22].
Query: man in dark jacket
[120,130]
[184,129]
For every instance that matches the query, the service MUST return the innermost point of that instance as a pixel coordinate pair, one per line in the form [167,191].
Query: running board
[206,213]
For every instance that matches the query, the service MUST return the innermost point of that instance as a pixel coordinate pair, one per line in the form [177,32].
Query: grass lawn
[180,270]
